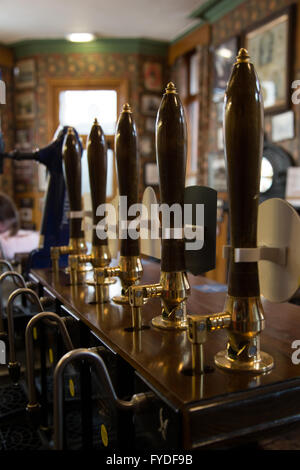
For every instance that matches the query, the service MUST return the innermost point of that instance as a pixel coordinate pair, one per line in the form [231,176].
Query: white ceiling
[45,19]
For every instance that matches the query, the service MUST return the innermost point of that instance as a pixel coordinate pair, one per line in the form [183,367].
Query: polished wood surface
[243,143]
[163,358]
[97,163]
[171,154]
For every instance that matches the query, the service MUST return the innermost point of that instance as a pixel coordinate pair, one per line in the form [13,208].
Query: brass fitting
[129,271]
[100,257]
[243,348]
[244,320]
[173,290]
[76,246]
[139,296]
[198,327]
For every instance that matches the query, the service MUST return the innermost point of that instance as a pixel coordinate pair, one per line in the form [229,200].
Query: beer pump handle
[72,174]
[171,149]
[243,136]
[97,163]
[128,171]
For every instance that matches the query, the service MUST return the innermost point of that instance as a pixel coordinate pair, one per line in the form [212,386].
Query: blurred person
[13,239]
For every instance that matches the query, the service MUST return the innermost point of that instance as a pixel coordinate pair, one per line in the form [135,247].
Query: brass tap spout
[198,328]
[129,269]
[243,138]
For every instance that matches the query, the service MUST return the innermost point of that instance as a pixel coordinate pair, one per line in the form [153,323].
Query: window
[77,102]
[187,82]
[79,108]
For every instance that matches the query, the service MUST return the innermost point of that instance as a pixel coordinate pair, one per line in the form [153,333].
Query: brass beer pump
[72,173]
[100,256]
[173,288]
[129,269]
[243,315]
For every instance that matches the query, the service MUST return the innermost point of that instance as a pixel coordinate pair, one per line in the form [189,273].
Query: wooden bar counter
[211,409]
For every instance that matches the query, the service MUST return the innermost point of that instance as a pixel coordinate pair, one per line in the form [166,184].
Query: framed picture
[283,126]
[146,145]
[220,139]
[219,107]
[269,47]
[150,104]
[151,174]
[153,76]
[25,106]
[150,124]
[25,74]
[224,58]
[217,172]
[24,139]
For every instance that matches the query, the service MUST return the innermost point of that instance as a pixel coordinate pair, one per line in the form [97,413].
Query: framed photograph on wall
[25,106]
[217,172]
[24,72]
[146,145]
[150,124]
[24,139]
[152,76]
[269,47]
[283,126]
[151,174]
[150,104]
[224,58]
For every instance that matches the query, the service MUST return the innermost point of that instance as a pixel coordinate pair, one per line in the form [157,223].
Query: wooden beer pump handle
[97,163]
[72,174]
[243,136]
[171,149]
[127,169]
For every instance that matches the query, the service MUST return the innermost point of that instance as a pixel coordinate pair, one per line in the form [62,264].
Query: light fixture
[80,37]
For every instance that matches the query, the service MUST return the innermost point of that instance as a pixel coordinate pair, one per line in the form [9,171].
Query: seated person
[13,239]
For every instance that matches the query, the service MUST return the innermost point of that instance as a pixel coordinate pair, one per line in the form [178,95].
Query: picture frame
[146,145]
[151,177]
[217,172]
[150,104]
[152,76]
[270,47]
[24,139]
[223,59]
[283,126]
[25,76]
[150,124]
[25,106]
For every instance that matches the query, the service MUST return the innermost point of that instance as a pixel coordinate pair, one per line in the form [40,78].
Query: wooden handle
[127,168]
[171,148]
[243,134]
[97,162]
[72,174]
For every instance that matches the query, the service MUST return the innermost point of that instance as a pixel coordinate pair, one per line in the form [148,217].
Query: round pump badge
[279,226]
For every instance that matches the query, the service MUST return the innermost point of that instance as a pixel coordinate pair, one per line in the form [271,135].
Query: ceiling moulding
[105,45]
[212,10]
